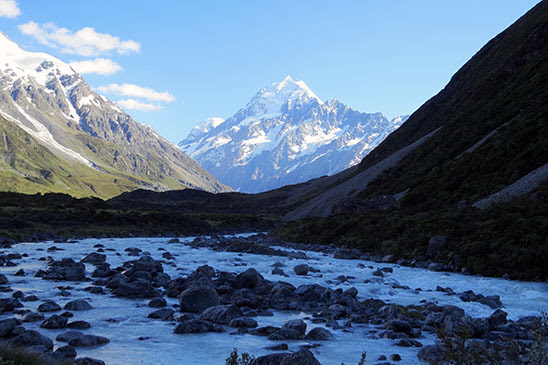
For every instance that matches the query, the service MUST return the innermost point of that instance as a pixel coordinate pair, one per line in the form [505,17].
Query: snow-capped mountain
[94,147]
[285,135]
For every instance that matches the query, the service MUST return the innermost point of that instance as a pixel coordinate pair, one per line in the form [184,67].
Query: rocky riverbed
[192,300]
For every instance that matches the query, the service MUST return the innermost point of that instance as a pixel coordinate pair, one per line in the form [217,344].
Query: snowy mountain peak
[205,126]
[274,99]
[17,63]
[285,135]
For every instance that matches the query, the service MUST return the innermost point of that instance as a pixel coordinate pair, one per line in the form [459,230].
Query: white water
[124,320]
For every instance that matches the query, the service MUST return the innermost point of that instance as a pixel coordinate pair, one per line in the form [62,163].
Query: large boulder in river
[88,341]
[498,318]
[197,298]
[78,305]
[6,325]
[296,324]
[319,334]
[94,258]
[301,269]
[248,279]
[301,357]
[31,338]
[54,322]
[221,314]
[139,288]
[49,306]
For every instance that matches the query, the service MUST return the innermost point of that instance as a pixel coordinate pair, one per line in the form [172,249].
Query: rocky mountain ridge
[285,135]
[51,104]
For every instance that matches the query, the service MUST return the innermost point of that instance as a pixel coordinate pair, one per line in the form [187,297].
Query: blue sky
[199,59]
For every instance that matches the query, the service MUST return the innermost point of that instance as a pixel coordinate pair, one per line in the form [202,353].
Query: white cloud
[9,9]
[136,91]
[84,42]
[101,66]
[132,104]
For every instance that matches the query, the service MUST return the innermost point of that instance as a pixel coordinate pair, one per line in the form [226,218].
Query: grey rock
[66,269]
[94,258]
[78,305]
[66,352]
[243,322]
[197,298]
[6,326]
[88,341]
[33,317]
[196,326]
[296,324]
[319,334]
[49,306]
[79,325]
[31,338]
[69,335]
[492,301]
[87,361]
[432,354]
[498,318]
[248,279]
[436,245]
[301,357]
[54,322]
[284,334]
[301,269]
[221,314]
[164,314]
[157,303]
[398,326]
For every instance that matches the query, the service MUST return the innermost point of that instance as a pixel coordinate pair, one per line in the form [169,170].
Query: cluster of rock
[50,315]
[262,244]
[213,301]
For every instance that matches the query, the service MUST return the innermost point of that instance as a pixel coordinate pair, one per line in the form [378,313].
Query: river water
[123,321]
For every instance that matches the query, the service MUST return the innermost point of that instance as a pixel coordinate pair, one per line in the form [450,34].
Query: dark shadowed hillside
[489,132]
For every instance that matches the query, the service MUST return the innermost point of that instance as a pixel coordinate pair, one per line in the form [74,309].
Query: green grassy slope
[28,167]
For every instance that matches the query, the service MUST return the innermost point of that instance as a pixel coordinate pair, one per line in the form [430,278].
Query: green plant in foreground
[243,359]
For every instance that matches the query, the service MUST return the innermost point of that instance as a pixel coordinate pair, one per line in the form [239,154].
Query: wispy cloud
[84,42]
[136,91]
[100,66]
[9,9]
[132,104]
